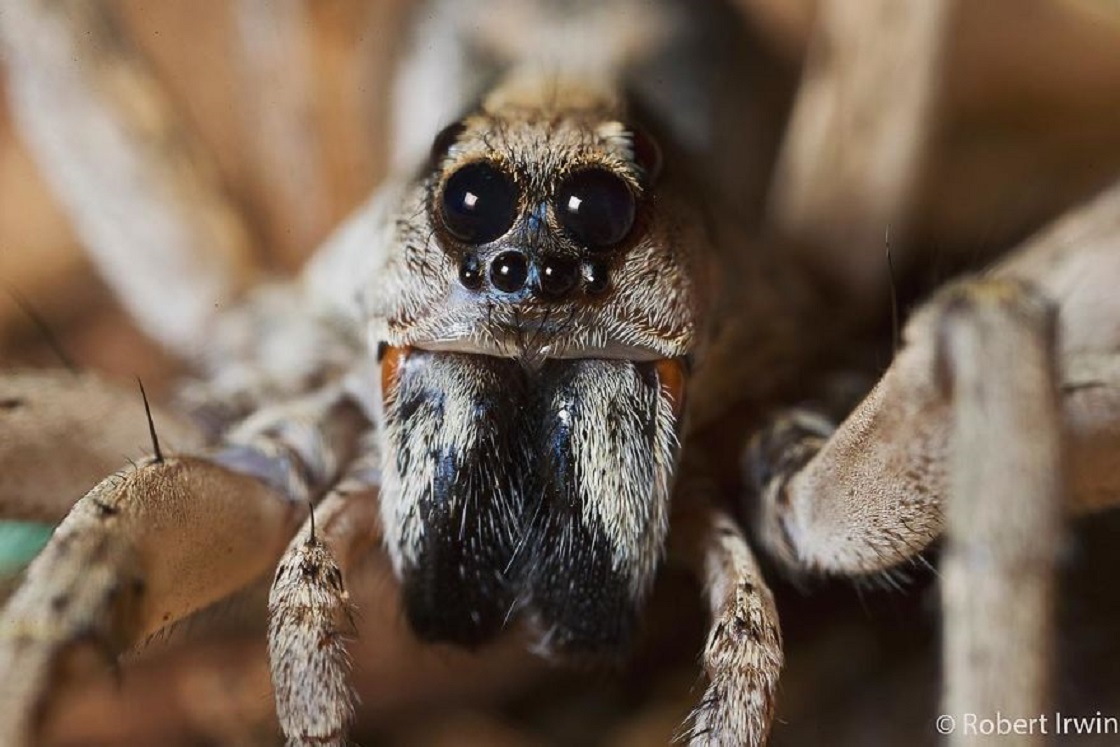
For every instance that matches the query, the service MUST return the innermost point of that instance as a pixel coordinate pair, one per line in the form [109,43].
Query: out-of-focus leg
[143,195]
[159,540]
[142,549]
[871,494]
[1006,503]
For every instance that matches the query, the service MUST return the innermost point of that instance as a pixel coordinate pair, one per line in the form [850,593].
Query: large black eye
[596,208]
[479,203]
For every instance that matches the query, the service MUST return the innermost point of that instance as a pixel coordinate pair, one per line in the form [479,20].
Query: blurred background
[964,128]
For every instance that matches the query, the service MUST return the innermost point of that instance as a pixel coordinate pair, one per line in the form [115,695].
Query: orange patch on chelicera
[672,375]
[391,358]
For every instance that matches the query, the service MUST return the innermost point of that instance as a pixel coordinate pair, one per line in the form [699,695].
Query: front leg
[145,547]
[1001,470]
[1005,514]
[743,654]
[870,496]
[968,433]
[157,541]
[310,611]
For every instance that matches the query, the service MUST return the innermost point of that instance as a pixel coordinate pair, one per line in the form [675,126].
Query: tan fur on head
[651,309]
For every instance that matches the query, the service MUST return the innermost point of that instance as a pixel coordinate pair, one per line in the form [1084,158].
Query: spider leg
[743,654]
[143,193]
[310,612]
[1006,380]
[870,495]
[143,548]
[859,130]
[1005,507]
[161,539]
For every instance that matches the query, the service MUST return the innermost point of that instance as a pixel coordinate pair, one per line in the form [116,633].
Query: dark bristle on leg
[151,423]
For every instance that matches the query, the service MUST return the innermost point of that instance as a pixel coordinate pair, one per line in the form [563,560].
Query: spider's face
[537,235]
[531,332]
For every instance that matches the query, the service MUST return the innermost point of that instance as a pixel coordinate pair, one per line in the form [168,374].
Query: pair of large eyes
[595,207]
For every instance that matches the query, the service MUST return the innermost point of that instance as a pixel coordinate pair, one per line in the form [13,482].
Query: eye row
[595,207]
[553,278]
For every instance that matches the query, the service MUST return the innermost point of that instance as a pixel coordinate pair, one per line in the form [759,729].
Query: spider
[534,350]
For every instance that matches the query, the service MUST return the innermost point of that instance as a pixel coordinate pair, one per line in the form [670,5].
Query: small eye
[509,271]
[479,203]
[470,272]
[596,208]
[558,276]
